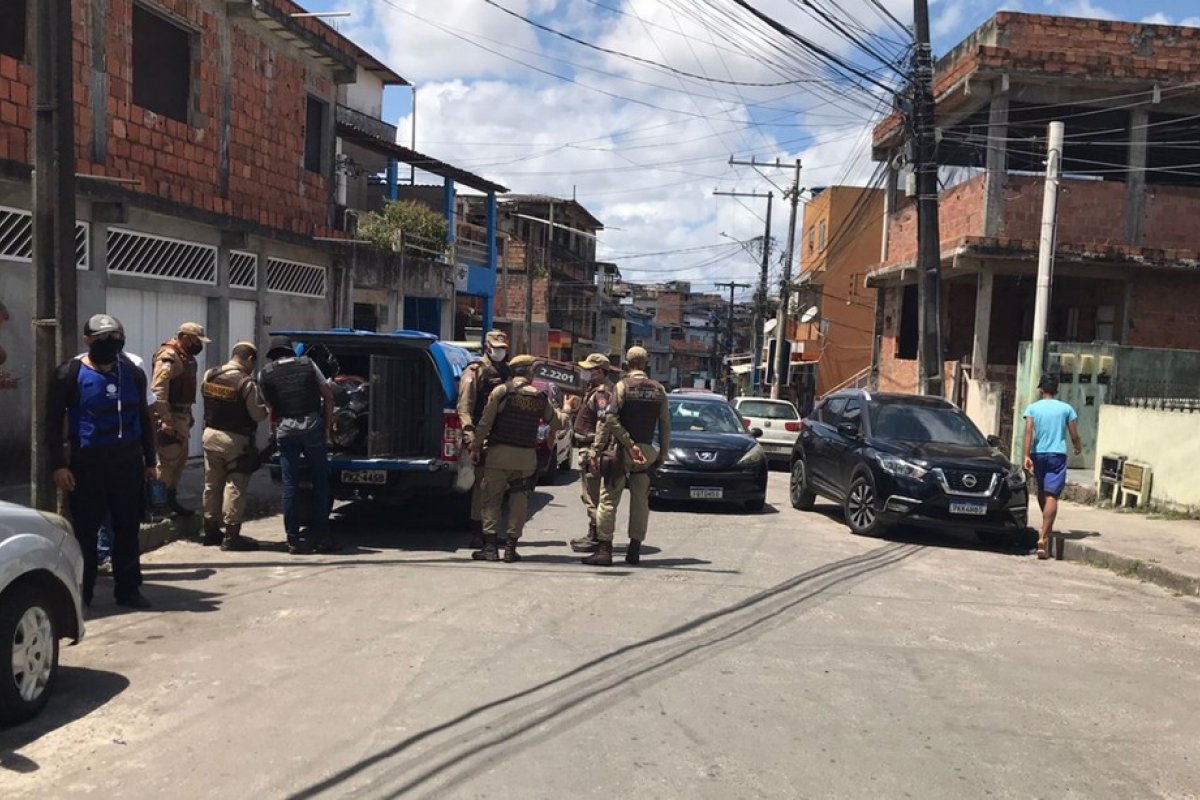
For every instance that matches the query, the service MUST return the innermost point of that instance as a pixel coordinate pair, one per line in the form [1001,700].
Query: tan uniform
[634,417]
[476,385]
[224,484]
[511,464]
[174,388]
[597,403]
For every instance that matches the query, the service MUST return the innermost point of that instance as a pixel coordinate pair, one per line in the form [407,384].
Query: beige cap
[637,354]
[244,343]
[497,339]
[517,362]
[194,329]
[596,361]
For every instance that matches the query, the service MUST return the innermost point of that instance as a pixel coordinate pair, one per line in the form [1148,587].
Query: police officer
[480,379]
[597,400]
[302,402]
[233,408]
[641,406]
[507,434]
[174,387]
[99,399]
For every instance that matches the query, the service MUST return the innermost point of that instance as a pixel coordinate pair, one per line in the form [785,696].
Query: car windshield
[765,409]
[917,423]
[699,416]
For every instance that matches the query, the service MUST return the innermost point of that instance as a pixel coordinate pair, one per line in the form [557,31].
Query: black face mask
[105,351]
[195,349]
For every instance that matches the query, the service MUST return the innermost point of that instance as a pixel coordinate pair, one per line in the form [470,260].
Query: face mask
[598,376]
[104,351]
[498,354]
[195,348]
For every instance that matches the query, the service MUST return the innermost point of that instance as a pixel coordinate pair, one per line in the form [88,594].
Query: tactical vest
[641,406]
[520,414]
[595,405]
[105,406]
[488,376]
[225,401]
[291,388]
[181,391]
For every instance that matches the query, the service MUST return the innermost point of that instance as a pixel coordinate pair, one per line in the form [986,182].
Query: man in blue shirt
[1047,423]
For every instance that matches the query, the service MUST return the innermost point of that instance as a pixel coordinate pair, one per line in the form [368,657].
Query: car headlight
[902,468]
[1017,479]
[58,521]
[753,456]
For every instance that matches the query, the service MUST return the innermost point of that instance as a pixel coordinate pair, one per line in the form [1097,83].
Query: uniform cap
[281,346]
[596,361]
[497,339]
[244,343]
[103,323]
[516,362]
[194,329]
[637,354]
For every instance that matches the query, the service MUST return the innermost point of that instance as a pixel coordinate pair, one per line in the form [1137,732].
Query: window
[924,423]
[811,240]
[314,135]
[830,410]
[853,412]
[768,409]
[12,32]
[821,237]
[906,342]
[162,65]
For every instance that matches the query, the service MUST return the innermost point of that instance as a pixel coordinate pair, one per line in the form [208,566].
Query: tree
[421,229]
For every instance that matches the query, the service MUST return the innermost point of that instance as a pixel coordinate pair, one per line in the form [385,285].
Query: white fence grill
[160,257]
[292,277]
[16,237]
[243,270]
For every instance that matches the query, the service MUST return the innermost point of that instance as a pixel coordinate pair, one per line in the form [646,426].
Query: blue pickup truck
[396,432]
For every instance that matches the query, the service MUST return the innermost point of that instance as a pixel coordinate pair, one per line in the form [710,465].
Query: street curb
[1071,550]
[154,535]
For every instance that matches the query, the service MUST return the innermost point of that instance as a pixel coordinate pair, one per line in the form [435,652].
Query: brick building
[1127,245]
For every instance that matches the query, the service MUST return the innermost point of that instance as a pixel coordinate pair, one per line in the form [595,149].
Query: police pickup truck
[396,432]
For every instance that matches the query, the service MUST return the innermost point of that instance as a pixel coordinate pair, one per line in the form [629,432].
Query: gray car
[41,569]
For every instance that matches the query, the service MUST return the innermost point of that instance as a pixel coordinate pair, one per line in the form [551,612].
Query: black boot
[489,552]
[235,542]
[476,541]
[586,544]
[602,557]
[173,504]
[633,553]
[212,533]
[511,556]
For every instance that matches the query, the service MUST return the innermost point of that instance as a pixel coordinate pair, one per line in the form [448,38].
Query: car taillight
[793,427]
[746,423]
[451,436]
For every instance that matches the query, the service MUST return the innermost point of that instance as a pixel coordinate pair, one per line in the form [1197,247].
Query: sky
[635,107]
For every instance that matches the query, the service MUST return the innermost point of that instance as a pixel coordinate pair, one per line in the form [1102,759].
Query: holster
[164,439]
[523,484]
[610,466]
[252,459]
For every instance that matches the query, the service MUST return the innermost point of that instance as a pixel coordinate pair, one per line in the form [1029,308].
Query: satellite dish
[770,325]
[809,314]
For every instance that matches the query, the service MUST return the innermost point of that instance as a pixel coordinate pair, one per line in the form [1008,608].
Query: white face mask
[498,354]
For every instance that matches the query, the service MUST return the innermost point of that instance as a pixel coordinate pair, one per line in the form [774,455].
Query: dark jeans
[109,483]
[300,453]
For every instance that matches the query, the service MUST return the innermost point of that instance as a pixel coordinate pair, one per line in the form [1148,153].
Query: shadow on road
[78,692]
[1015,544]
[709,508]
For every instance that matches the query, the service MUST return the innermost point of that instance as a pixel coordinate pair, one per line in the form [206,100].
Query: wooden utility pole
[929,250]
[733,286]
[55,328]
[782,354]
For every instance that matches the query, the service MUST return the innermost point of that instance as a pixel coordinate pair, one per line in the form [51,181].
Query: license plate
[706,493]
[973,509]
[375,477]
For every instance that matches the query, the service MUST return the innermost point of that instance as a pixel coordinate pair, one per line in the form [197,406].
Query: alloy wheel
[32,653]
[860,505]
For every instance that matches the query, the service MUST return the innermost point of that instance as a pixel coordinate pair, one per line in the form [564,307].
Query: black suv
[890,459]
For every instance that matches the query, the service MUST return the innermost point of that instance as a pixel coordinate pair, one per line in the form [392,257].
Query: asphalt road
[769,655]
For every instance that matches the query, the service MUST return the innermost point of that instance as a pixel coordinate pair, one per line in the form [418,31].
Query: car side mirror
[849,429]
[756,433]
[994,441]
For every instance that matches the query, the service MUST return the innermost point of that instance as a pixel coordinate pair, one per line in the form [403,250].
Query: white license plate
[706,493]
[374,477]
[972,509]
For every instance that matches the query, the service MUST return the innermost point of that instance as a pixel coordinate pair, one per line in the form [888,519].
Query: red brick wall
[268,183]
[1165,311]
[1171,218]
[510,297]
[960,214]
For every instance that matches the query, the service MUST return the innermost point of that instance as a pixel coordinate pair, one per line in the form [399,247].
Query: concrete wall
[1169,441]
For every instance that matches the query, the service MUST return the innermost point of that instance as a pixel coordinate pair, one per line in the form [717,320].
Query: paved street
[772,655]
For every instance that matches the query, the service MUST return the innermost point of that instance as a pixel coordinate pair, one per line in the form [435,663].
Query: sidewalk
[1160,551]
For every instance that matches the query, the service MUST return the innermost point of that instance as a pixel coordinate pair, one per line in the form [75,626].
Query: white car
[41,570]
[777,419]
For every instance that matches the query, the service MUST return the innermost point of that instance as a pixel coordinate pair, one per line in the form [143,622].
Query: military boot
[511,556]
[586,544]
[602,557]
[212,533]
[235,542]
[633,553]
[476,535]
[489,552]
[173,504]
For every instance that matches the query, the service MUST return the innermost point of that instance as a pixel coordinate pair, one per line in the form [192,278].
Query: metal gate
[400,416]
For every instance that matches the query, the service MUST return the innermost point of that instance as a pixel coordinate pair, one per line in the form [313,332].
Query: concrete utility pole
[781,353]
[929,248]
[55,329]
[729,327]
[1045,273]
[760,294]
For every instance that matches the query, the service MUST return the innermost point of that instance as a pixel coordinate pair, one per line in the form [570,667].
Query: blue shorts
[1050,469]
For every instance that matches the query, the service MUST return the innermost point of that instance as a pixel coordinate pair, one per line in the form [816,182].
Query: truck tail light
[451,436]
[793,427]
[746,424]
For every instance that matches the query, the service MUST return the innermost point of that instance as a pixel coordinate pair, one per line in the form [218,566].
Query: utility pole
[529,289]
[733,286]
[54,305]
[1045,273]
[929,249]
[760,294]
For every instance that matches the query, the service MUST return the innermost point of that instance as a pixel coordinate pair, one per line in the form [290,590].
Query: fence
[1154,394]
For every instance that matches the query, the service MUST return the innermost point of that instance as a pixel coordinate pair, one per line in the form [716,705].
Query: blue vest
[107,412]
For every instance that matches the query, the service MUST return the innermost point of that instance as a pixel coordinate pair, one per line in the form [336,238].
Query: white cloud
[1085,8]
[1157,18]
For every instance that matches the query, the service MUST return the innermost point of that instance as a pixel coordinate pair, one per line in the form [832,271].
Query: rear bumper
[736,485]
[777,451]
[401,479]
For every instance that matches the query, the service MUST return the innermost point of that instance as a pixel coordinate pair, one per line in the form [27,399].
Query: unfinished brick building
[1127,265]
